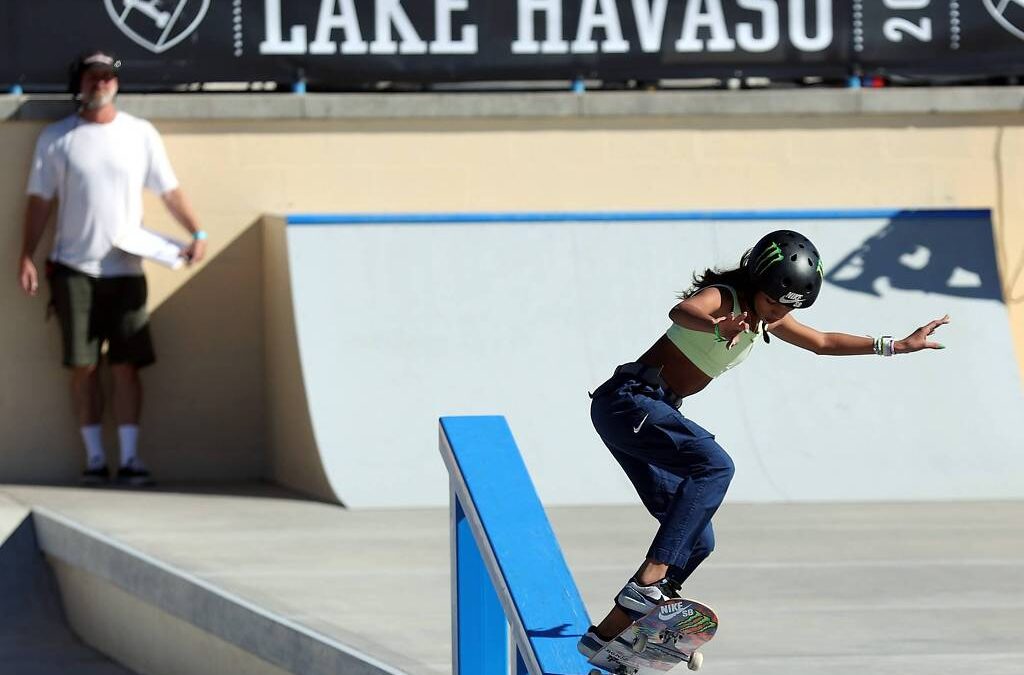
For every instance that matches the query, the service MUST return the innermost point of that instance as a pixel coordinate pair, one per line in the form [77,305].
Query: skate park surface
[291,585]
[286,584]
[859,552]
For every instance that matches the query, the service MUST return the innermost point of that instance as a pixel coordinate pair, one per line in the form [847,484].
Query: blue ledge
[621,216]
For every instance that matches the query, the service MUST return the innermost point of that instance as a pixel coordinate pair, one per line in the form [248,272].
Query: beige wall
[207,401]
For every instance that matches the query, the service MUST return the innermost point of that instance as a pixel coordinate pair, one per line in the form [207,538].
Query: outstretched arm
[843,344]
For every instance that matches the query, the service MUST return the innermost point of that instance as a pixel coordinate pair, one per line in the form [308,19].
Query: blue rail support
[509,578]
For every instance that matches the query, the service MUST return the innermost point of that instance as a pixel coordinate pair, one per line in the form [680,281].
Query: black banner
[343,44]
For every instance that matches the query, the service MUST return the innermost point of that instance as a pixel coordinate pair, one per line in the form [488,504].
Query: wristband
[199,235]
[718,335]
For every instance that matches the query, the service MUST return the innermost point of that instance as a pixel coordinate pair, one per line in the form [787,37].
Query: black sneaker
[134,475]
[98,476]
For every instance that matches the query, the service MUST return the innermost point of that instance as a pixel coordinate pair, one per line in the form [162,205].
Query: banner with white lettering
[344,44]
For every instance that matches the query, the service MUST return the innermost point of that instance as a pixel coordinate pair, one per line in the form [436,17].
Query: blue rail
[509,575]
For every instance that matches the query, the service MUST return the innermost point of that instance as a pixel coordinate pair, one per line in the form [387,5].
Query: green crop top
[705,351]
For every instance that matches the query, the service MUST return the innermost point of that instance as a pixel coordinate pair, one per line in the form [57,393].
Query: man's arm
[181,209]
[37,214]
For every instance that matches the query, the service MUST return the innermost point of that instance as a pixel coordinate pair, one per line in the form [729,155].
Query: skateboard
[668,635]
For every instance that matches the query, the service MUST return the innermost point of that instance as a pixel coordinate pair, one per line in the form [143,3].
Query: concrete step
[35,638]
[162,620]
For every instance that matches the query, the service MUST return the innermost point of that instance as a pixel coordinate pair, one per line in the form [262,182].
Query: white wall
[401,324]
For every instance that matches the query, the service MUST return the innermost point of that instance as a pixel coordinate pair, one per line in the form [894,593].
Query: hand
[918,340]
[732,327]
[28,276]
[195,252]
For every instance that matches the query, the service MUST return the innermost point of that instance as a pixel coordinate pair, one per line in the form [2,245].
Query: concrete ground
[906,589]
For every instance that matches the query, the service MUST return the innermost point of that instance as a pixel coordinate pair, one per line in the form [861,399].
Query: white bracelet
[884,345]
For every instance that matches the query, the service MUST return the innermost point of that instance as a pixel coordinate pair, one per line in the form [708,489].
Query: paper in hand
[153,246]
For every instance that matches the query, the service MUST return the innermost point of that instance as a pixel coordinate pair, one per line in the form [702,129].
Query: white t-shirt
[97,172]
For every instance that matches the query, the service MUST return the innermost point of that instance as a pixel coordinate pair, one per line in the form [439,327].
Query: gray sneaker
[638,601]
[590,643]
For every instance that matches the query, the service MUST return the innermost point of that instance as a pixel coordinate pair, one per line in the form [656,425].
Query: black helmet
[785,266]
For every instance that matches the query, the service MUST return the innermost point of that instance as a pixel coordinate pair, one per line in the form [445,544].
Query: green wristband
[718,335]
[199,235]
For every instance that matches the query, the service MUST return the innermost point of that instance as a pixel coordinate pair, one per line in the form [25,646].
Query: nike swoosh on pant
[636,429]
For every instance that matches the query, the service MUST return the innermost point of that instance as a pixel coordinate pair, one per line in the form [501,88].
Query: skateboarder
[677,468]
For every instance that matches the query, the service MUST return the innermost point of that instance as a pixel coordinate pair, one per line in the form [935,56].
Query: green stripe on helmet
[821,270]
[768,257]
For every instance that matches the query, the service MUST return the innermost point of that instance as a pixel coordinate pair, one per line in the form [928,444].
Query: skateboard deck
[668,635]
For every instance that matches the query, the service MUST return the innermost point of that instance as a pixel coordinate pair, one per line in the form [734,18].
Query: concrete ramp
[400,319]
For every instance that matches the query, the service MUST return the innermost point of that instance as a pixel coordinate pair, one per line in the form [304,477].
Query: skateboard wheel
[696,659]
[640,643]
[595,671]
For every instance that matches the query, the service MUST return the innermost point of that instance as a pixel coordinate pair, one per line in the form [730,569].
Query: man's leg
[131,349]
[87,398]
[72,294]
[127,400]
[86,395]
[127,397]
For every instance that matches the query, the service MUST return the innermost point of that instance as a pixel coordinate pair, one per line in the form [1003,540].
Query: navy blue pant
[677,468]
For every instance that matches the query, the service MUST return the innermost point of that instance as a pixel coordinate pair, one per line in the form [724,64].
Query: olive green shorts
[93,311]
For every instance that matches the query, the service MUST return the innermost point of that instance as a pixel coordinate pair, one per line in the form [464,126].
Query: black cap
[98,60]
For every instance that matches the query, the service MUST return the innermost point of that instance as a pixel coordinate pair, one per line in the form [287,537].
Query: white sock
[128,435]
[95,456]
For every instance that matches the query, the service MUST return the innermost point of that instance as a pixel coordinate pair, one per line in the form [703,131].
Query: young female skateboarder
[679,471]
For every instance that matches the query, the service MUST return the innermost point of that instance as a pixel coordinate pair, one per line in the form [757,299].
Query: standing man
[92,166]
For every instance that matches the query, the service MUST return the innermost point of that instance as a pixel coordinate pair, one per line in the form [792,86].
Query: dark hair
[737,277]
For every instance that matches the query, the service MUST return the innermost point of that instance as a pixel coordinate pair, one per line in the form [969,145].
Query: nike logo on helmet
[794,299]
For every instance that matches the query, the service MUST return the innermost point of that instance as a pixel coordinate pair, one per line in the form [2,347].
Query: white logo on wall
[157,25]
[1000,11]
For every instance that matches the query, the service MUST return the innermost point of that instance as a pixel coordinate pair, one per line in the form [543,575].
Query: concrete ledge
[276,640]
[142,636]
[541,104]
[35,636]
[12,514]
